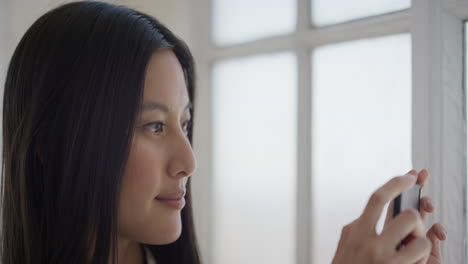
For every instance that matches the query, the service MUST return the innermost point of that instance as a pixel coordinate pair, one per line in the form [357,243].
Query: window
[325,12]
[412,95]
[232,20]
[255,159]
[361,127]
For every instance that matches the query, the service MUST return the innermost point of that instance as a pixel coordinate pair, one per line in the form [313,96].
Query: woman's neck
[129,252]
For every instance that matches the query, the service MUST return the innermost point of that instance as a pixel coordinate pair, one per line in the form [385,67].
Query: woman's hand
[360,243]
[437,232]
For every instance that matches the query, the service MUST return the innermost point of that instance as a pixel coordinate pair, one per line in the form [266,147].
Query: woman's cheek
[145,168]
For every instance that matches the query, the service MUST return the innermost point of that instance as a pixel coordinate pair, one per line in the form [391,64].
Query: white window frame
[439,121]
[439,134]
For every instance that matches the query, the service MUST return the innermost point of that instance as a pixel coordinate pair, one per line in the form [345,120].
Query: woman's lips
[174,199]
[174,203]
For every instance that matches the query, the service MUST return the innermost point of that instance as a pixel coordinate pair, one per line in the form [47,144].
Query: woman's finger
[345,232]
[416,250]
[436,233]
[384,194]
[389,215]
[407,223]
[426,206]
[423,175]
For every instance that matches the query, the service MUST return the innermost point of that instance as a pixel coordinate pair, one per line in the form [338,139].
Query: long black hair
[72,92]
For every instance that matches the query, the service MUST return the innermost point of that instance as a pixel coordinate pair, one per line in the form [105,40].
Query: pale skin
[161,160]
[359,242]
[437,231]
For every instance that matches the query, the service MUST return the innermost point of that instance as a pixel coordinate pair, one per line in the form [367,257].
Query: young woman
[97,154]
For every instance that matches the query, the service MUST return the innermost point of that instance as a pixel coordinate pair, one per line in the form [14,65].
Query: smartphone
[409,199]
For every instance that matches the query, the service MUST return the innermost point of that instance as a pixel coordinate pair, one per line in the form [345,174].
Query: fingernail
[424,172]
[429,205]
[410,176]
[412,172]
[444,233]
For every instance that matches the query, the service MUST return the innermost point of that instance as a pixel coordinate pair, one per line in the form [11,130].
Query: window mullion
[389,24]
[304,150]
[304,137]
[202,184]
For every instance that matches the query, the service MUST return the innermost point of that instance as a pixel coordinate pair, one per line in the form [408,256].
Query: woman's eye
[156,127]
[187,125]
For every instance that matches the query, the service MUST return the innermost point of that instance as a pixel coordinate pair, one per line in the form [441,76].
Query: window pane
[361,130]
[245,20]
[255,160]
[326,12]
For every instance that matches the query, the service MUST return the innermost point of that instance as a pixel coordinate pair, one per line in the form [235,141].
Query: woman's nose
[183,162]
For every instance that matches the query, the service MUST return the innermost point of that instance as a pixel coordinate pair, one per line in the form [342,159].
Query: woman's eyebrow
[151,106]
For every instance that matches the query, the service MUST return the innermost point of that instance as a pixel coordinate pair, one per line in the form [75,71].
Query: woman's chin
[169,238]
[167,234]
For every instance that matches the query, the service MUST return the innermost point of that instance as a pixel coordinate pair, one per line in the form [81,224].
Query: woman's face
[161,157]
